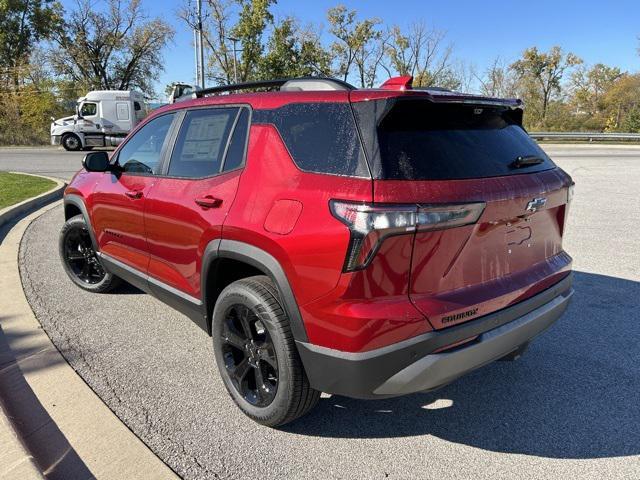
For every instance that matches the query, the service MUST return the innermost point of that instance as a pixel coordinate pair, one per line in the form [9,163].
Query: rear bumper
[411,366]
[55,139]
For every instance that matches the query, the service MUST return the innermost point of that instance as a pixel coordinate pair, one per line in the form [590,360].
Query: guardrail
[588,136]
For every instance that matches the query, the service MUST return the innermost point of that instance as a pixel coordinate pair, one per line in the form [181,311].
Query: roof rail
[291,84]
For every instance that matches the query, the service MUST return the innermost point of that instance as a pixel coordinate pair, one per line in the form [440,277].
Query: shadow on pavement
[574,394]
[38,432]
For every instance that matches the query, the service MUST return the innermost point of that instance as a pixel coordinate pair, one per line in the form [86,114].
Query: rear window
[420,140]
[321,137]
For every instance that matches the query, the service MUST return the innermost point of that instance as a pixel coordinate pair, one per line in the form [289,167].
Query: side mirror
[96,162]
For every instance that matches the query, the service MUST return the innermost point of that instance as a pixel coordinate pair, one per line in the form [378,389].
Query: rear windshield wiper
[526,161]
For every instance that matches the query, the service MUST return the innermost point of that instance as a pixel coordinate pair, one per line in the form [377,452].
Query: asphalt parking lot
[569,408]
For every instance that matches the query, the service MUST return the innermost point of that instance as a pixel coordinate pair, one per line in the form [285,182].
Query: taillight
[369,225]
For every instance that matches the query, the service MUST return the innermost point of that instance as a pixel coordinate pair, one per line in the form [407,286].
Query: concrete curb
[13,212]
[61,428]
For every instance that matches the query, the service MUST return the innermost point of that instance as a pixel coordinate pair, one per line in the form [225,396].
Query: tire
[251,333]
[71,142]
[79,258]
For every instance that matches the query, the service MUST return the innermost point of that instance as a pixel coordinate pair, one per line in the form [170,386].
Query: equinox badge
[536,204]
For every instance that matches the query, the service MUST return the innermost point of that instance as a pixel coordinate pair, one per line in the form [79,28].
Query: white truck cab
[103,118]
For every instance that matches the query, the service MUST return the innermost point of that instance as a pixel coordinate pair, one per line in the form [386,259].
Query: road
[52,162]
[570,408]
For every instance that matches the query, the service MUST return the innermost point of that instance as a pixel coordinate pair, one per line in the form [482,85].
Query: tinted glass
[88,109]
[141,153]
[235,153]
[321,137]
[201,142]
[425,141]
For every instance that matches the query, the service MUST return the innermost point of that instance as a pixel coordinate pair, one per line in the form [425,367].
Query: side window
[141,153]
[201,142]
[136,106]
[235,153]
[122,111]
[321,137]
[88,109]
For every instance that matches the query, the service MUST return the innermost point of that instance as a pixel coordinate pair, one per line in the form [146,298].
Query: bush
[25,116]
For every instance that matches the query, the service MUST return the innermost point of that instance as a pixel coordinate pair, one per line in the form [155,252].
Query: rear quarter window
[321,137]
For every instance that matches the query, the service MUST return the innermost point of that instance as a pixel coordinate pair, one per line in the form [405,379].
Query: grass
[15,188]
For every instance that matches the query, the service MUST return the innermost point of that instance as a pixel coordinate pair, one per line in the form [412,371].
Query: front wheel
[256,354]
[71,142]
[79,258]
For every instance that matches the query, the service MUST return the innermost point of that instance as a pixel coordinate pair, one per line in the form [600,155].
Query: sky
[480,31]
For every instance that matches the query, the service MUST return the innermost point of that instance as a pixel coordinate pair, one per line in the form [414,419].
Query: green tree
[253,19]
[590,86]
[354,44]
[116,49]
[23,23]
[631,122]
[621,101]
[540,75]
[292,52]
[246,21]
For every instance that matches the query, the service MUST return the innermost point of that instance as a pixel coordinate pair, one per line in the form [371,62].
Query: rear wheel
[71,142]
[80,260]
[256,354]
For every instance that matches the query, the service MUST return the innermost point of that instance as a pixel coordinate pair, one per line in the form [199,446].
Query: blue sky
[605,32]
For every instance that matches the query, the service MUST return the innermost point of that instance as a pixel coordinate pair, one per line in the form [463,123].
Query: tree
[293,52]
[116,49]
[253,19]
[246,21]
[498,81]
[622,100]
[541,74]
[23,23]
[355,44]
[591,84]
[421,53]
[216,32]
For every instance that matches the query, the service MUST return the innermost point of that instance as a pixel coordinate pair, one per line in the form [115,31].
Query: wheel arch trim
[261,260]
[78,202]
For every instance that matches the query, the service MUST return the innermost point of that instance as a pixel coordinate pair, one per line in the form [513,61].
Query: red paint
[414,281]
[398,83]
[117,219]
[283,216]
[179,229]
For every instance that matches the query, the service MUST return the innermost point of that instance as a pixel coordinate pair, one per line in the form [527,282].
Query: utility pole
[235,59]
[196,62]
[200,47]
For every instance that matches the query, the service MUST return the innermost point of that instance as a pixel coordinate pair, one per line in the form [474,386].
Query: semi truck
[102,119]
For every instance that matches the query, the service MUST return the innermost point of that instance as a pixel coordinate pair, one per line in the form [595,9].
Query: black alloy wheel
[249,356]
[81,257]
[80,260]
[256,353]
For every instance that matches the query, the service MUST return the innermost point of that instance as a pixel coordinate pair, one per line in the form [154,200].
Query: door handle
[134,194]
[208,201]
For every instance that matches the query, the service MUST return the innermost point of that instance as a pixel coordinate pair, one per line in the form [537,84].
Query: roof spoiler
[439,94]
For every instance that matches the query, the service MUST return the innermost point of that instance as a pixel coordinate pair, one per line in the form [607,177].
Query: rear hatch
[470,161]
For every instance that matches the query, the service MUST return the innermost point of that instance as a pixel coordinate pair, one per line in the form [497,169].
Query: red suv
[367,243]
